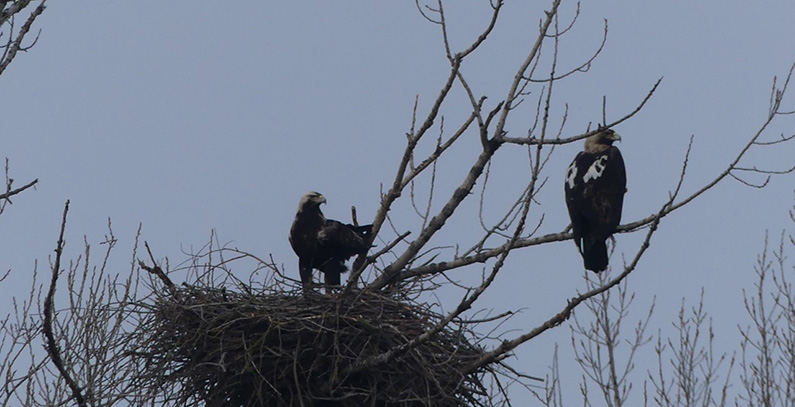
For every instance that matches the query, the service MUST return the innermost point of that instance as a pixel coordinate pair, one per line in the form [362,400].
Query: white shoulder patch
[571,174]
[595,170]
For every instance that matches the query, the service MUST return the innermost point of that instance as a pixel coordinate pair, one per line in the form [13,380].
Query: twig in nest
[157,271]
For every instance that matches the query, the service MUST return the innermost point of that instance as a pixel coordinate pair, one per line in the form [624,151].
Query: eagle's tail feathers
[594,254]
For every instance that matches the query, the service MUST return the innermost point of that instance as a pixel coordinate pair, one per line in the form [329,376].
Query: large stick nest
[218,347]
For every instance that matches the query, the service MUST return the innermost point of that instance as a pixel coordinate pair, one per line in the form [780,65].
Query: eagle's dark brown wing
[338,242]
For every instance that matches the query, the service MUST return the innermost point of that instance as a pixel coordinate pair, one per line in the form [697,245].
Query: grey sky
[193,116]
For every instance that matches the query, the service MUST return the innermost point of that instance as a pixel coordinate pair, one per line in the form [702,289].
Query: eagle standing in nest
[595,185]
[324,244]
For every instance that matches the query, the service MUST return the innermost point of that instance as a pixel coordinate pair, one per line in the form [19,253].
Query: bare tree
[767,363]
[15,35]
[414,264]
[696,377]
[19,364]
[689,371]
[606,357]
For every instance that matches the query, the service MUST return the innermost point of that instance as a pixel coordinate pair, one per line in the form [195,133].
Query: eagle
[324,244]
[595,185]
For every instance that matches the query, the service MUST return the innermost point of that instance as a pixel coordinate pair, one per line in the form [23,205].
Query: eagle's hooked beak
[615,137]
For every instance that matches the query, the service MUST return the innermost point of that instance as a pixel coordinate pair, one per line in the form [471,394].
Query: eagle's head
[311,200]
[600,141]
[608,136]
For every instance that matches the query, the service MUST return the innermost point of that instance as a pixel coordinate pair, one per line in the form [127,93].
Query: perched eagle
[595,185]
[324,244]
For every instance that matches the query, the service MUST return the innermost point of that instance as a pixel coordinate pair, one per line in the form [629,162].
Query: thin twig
[11,193]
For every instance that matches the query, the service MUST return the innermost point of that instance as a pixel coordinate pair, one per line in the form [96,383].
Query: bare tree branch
[13,192]
[156,271]
[49,304]
[460,193]
[14,45]
[776,97]
[464,305]
[507,346]
[567,140]
[585,66]
[397,187]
